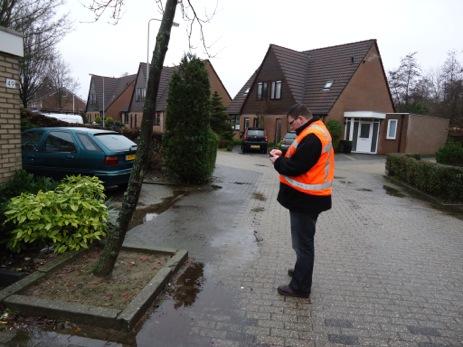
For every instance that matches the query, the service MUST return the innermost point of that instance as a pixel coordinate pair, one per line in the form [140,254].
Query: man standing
[306,177]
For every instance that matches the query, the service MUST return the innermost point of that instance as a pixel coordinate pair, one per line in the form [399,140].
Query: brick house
[11,48]
[346,83]
[138,97]
[109,95]
[47,99]
[125,97]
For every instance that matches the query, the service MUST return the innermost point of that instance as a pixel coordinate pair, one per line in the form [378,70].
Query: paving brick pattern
[388,271]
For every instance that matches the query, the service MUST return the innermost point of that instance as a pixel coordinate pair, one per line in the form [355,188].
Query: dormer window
[246,92]
[275,91]
[328,85]
[262,89]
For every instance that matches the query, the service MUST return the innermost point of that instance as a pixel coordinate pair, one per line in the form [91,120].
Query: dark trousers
[302,235]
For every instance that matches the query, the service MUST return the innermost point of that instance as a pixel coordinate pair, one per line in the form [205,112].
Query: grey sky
[241,31]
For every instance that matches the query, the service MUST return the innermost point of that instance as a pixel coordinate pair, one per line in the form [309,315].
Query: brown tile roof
[235,105]
[307,72]
[336,63]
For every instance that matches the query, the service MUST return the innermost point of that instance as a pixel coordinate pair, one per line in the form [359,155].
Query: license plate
[130,157]
[255,146]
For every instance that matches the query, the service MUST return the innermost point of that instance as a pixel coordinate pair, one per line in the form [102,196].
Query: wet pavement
[388,272]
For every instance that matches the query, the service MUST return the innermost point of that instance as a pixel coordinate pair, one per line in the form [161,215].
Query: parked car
[254,139]
[57,152]
[287,141]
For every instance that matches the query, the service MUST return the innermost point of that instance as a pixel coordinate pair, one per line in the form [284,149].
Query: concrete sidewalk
[388,270]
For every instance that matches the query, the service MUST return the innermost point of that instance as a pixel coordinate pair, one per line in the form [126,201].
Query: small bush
[69,218]
[451,154]
[335,129]
[438,180]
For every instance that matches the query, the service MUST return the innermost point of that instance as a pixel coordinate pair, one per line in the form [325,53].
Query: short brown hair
[299,110]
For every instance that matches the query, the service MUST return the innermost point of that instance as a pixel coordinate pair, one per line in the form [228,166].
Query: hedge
[443,181]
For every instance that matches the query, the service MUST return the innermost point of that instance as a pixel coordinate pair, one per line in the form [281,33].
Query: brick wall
[10,119]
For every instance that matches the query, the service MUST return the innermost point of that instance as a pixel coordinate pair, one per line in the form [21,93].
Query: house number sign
[10,83]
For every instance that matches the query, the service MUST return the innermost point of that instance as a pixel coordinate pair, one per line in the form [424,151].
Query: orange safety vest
[319,179]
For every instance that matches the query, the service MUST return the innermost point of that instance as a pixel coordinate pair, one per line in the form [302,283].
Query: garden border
[86,314]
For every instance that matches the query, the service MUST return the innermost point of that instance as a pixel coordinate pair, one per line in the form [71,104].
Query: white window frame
[389,125]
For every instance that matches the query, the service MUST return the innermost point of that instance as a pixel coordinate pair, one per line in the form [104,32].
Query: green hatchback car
[57,152]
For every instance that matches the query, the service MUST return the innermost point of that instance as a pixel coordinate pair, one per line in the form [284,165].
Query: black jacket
[307,154]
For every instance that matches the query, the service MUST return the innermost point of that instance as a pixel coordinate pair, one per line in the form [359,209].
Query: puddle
[240,183]
[393,191]
[188,285]
[339,177]
[258,209]
[259,196]
[215,186]
[148,213]
[364,190]
[346,182]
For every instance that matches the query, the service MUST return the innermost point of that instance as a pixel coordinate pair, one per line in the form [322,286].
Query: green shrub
[189,146]
[69,217]
[438,180]
[451,154]
[21,182]
[335,129]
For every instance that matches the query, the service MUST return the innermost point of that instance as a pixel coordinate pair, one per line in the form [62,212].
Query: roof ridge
[342,44]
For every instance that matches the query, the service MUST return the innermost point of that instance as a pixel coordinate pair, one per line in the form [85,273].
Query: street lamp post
[148,50]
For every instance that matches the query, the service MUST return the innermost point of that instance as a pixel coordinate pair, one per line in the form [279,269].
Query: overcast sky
[241,31]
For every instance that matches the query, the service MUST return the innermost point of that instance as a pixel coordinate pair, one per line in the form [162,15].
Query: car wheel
[243,149]
[264,149]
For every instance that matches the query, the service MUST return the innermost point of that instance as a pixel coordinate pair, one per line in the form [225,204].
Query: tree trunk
[116,237]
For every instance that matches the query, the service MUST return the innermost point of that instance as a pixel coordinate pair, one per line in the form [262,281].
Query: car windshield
[115,142]
[255,132]
[290,136]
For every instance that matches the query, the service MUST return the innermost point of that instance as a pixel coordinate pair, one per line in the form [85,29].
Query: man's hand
[275,154]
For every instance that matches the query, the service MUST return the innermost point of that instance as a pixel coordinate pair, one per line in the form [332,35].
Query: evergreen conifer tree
[190,146]
[220,123]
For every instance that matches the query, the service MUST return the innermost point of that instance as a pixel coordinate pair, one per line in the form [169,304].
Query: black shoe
[290,272]
[287,291]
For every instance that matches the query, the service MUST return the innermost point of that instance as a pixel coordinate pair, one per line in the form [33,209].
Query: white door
[364,138]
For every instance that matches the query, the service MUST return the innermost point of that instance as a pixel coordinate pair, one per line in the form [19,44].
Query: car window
[290,136]
[88,143]
[115,142]
[31,138]
[59,141]
[255,133]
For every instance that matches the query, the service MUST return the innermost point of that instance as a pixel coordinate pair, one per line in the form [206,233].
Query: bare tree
[452,77]
[42,29]
[116,237]
[404,79]
[58,79]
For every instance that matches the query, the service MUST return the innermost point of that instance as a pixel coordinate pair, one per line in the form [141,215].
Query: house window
[157,119]
[328,85]
[275,91]
[140,94]
[125,118]
[93,98]
[262,90]
[235,121]
[246,91]
[246,123]
[391,129]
